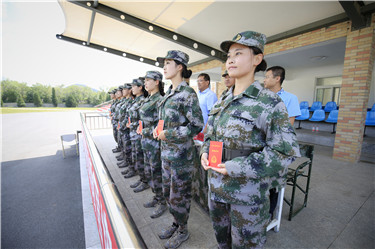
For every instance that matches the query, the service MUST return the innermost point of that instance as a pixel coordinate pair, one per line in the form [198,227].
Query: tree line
[13,91]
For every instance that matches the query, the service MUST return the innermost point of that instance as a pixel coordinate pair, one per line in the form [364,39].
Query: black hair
[263,65]
[278,71]
[161,88]
[205,76]
[145,93]
[185,72]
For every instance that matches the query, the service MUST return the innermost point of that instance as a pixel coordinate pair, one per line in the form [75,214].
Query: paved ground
[41,202]
[339,214]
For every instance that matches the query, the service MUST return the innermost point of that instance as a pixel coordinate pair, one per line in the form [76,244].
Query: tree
[71,101]
[54,98]
[20,101]
[37,100]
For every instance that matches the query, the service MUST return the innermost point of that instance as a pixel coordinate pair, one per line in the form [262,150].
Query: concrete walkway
[41,200]
[339,214]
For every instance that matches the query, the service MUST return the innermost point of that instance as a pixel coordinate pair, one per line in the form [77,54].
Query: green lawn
[8,110]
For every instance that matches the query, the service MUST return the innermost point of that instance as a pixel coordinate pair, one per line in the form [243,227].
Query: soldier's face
[241,61]
[229,82]
[171,69]
[136,90]
[150,84]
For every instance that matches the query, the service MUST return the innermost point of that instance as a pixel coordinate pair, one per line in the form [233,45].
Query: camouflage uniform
[182,121]
[113,121]
[137,152]
[151,147]
[125,132]
[255,121]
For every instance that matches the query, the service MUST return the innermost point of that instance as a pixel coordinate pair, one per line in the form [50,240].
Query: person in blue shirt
[273,80]
[207,98]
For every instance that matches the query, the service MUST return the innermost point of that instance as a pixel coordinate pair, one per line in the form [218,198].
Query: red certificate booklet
[215,153]
[160,127]
[129,120]
[140,126]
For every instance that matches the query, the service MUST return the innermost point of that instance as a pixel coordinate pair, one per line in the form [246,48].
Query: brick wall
[356,80]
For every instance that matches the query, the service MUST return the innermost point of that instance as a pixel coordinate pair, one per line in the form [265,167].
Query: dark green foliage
[20,101]
[37,101]
[54,98]
[71,101]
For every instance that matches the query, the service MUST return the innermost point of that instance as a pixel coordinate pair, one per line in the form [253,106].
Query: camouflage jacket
[182,121]
[149,116]
[124,113]
[113,110]
[133,113]
[256,121]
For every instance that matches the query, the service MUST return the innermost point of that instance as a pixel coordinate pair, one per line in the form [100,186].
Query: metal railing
[97,120]
[116,227]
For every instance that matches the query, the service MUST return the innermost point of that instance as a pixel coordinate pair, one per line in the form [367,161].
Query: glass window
[328,89]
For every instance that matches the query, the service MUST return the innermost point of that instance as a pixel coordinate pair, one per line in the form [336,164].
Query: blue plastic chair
[316,106]
[304,105]
[318,115]
[332,118]
[373,108]
[370,120]
[305,115]
[331,105]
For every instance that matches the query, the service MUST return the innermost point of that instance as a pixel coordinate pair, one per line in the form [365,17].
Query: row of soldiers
[138,155]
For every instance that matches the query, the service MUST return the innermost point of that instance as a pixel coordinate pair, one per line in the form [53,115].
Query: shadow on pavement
[41,202]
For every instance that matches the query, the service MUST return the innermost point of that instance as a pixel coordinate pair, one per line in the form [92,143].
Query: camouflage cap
[127,85]
[155,75]
[247,38]
[225,73]
[120,88]
[175,55]
[138,82]
[114,90]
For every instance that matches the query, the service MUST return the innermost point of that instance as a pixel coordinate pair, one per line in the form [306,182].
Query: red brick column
[355,89]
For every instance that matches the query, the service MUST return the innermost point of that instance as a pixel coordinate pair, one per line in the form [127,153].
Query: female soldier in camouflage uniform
[125,136]
[137,152]
[182,121]
[151,147]
[259,144]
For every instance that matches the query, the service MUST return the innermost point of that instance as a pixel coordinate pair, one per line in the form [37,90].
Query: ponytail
[263,65]
[186,73]
[161,88]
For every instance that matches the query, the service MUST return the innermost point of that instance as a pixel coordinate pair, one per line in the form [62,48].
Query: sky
[31,53]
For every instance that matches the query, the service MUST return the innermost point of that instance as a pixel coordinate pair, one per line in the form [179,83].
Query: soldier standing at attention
[140,93]
[258,145]
[111,114]
[182,121]
[115,116]
[124,131]
[151,147]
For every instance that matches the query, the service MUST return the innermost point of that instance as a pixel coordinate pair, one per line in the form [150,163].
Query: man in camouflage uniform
[258,145]
[183,120]
[151,147]
[123,130]
[116,118]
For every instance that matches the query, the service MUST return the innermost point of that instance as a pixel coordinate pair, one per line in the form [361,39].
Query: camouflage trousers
[127,147]
[119,139]
[115,132]
[177,187]
[137,159]
[153,173]
[238,226]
